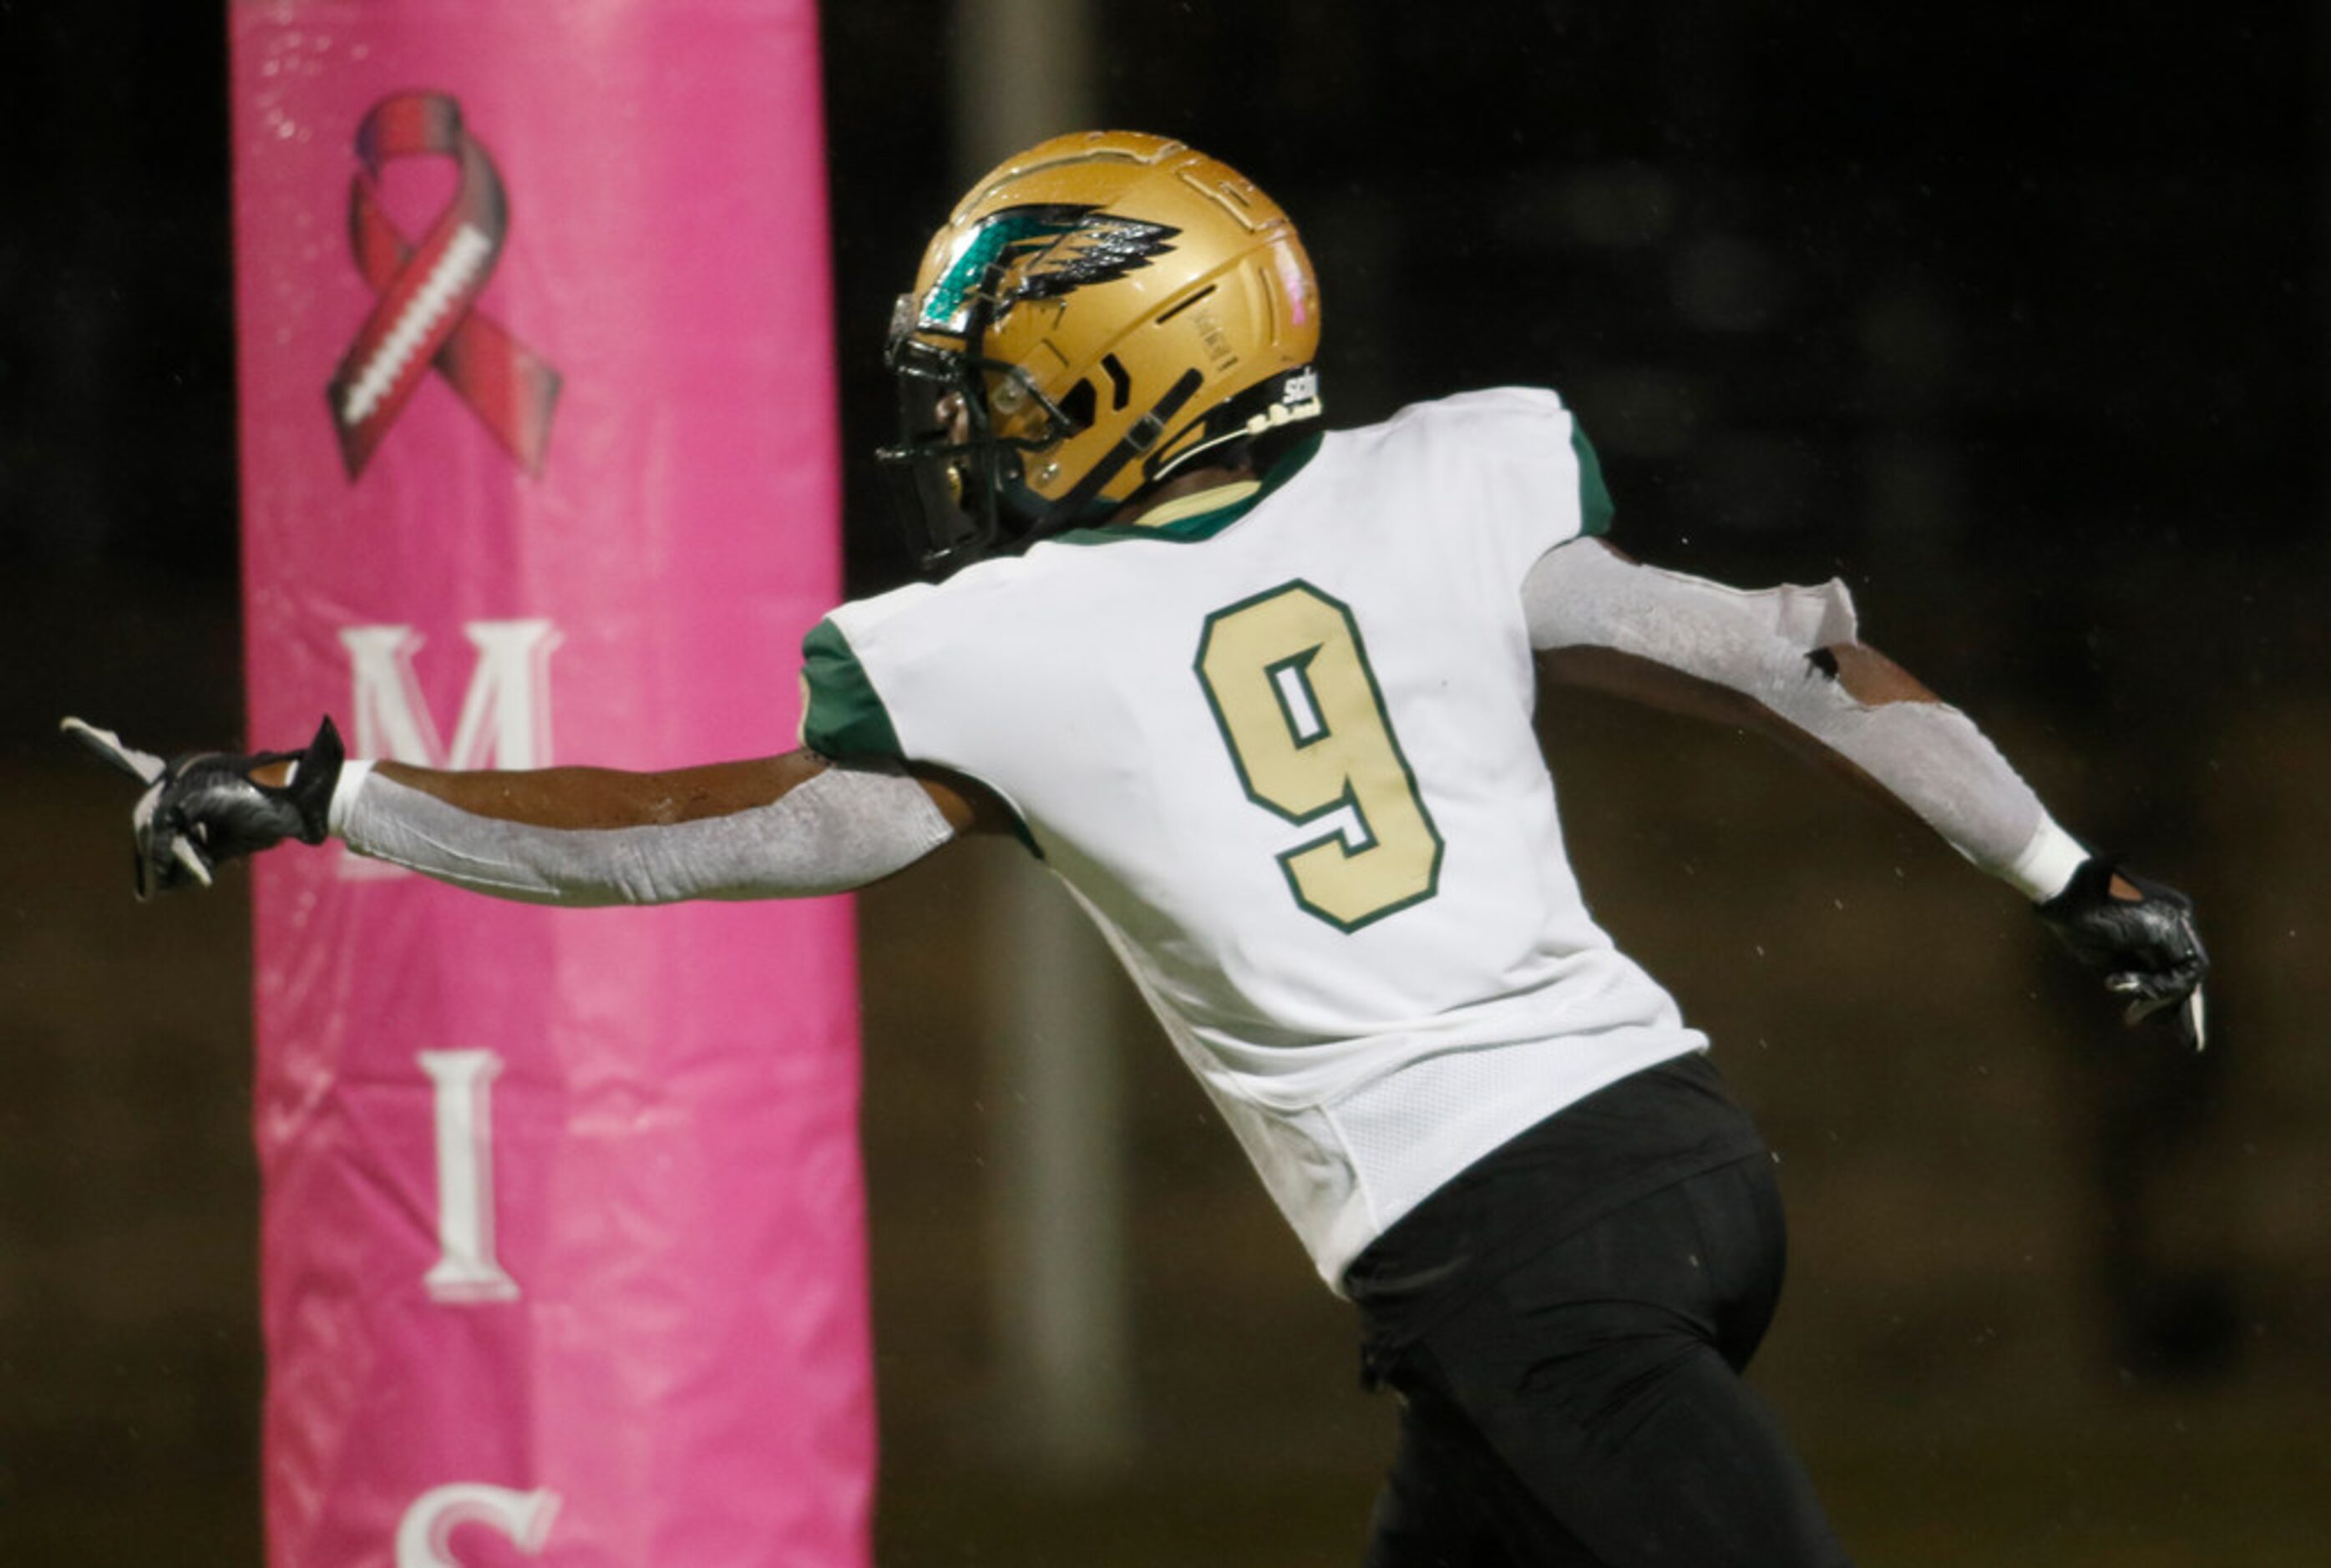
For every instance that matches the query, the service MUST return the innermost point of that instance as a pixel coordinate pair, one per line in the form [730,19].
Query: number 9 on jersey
[1288,680]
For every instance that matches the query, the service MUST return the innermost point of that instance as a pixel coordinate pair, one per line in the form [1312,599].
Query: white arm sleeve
[1928,754]
[838,829]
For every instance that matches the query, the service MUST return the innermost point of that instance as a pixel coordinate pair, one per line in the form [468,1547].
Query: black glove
[206,808]
[2145,947]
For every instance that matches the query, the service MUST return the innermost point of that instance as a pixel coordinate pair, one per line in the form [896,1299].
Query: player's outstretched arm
[786,826]
[1789,661]
[780,827]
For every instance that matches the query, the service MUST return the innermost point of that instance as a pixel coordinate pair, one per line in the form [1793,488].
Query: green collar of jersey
[1206,521]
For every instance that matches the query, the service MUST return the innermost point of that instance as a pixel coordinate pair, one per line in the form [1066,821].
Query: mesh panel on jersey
[1405,1130]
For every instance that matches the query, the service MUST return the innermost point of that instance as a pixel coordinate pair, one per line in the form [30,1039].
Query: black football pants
[1586,1408]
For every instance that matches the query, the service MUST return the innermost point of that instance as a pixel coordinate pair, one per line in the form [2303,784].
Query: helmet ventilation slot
[1185,304]
[1120,383]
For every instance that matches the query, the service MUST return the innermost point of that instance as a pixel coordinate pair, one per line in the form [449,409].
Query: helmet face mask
[1099,312]
[951,472]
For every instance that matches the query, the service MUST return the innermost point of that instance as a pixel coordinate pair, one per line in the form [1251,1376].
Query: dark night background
[2014,316]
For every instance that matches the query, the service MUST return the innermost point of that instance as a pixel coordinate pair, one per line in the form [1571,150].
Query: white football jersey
[1278,741]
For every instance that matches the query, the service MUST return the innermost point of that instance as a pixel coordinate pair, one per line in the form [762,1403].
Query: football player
[1261,695]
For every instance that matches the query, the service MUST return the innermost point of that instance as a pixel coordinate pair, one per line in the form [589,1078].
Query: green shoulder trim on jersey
[1594,508]
[1204,525]
[841,716]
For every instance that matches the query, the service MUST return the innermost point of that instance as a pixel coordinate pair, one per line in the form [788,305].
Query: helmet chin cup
[928,495]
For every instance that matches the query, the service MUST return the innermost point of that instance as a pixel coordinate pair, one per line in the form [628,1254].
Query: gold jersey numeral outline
[1287,677]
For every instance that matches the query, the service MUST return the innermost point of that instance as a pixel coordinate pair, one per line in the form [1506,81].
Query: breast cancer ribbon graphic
[426,316]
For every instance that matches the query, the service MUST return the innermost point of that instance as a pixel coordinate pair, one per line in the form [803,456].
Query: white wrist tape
[838,829]
[352,778]
[1928,754]
[2045,867]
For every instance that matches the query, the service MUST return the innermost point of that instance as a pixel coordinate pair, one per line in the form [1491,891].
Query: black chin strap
[1143,434]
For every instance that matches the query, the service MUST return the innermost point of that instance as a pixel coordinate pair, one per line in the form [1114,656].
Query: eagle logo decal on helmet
[1043,252]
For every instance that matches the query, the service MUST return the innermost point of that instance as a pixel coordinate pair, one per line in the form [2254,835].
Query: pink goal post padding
[563,1236]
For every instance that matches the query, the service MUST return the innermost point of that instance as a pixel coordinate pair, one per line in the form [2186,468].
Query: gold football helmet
[1099,311]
